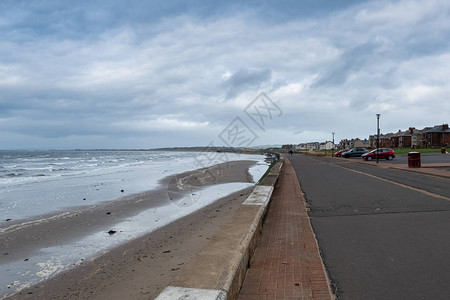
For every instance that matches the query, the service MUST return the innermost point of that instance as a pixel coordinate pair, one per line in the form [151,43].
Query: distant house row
[310,146]
[429,137]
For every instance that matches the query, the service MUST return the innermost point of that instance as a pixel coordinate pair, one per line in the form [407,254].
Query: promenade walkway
[286,263]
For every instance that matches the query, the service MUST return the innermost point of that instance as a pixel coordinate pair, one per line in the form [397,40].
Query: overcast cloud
[76,74]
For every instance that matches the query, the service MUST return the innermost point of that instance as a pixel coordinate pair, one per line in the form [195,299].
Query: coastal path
[286,263]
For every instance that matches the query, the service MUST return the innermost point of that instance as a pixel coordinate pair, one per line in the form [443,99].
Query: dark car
[339,153]
[355,152]
[383,153]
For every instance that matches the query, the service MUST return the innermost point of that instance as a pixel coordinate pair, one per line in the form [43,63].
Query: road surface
[383,233]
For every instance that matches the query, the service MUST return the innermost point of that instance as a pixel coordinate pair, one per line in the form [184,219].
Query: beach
[143,265]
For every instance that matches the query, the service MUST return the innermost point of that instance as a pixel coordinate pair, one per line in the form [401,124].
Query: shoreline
[143,267]
[20,243]
[36,184]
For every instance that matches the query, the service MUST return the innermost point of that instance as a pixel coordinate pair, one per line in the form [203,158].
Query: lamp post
[333,145]
[378,134]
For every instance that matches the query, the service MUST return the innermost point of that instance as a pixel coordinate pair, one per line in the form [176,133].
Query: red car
[339,153]
[383,153]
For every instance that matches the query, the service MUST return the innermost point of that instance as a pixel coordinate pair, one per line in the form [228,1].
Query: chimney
[444,126]
[411,130]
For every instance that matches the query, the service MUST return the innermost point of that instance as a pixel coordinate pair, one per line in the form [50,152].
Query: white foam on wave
[52,192]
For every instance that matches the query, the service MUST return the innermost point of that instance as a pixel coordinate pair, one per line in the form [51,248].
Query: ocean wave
[14,174]
[46,168]
[61,169]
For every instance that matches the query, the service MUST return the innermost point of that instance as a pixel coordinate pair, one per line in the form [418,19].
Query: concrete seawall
[218,271]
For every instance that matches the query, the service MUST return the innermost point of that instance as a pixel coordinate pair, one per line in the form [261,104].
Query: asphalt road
[383,233]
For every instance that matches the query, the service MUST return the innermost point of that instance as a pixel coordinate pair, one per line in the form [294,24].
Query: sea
[38,184]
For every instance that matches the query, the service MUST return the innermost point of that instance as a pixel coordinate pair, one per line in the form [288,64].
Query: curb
[218,271]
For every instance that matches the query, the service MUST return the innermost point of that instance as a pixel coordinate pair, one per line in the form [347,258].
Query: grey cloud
[245,79]
[362,102]
[76,71]
[352,60]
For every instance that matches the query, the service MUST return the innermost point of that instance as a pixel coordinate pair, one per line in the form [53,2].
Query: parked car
[383,153]
[355,152]
[339,153]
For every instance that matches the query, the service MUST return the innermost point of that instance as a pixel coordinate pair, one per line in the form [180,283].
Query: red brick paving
[286,263]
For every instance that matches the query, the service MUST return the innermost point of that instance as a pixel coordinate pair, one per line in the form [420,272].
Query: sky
[149,74]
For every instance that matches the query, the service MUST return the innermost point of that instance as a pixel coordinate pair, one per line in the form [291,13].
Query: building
[287,147]
[410,138]
[429,137]
[354,143]
[362,143]
[416,137]
[307,146]
[395,139]
[326,146]
[437,136]
[385,140]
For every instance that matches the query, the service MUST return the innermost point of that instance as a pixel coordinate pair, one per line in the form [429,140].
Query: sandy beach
[142,267]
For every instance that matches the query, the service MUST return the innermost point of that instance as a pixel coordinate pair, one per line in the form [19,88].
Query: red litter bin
[414,159]
[443,150]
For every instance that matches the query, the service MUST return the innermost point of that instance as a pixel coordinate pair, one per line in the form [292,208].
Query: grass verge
[407,150]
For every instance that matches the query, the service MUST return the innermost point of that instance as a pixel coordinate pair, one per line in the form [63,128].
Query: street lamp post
[333,145]
[378,134]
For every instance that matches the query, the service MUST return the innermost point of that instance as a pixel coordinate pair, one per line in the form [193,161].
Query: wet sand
[141,268]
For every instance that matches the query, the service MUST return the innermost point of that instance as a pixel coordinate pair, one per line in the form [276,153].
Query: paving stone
[286,263]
